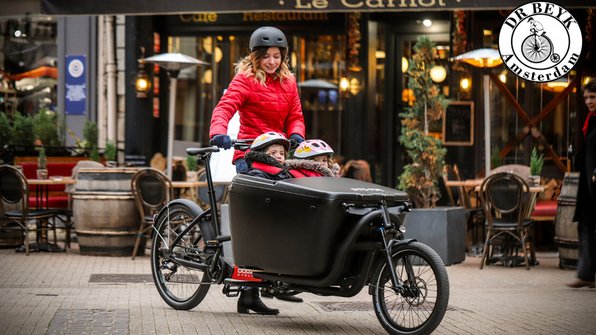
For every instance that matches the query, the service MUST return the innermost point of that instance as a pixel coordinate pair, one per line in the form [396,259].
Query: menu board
[458,124]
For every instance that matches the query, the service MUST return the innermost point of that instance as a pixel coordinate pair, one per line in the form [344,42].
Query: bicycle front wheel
[421,305]
[181,286]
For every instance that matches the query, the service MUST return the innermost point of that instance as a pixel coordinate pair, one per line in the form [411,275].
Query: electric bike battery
[294,227]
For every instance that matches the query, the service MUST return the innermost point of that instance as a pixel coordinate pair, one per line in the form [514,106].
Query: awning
[139,7]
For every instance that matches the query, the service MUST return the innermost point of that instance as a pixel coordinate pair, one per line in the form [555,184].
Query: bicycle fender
[395,243]
[197,210]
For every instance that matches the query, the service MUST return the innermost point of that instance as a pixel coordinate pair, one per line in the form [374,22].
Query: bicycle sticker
[540,41]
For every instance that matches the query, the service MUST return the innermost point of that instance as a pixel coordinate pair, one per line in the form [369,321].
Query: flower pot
[191,176]
[441,228]
[42,174]
[534,180]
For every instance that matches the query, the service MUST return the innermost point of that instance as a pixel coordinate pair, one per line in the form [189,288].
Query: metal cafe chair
[152,190]
[505,198]
[14,207]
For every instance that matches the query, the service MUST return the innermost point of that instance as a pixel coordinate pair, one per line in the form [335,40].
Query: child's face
[323,159]
[277,151]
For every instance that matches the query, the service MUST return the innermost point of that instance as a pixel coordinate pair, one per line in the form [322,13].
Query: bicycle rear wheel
[180,285]
[420,307]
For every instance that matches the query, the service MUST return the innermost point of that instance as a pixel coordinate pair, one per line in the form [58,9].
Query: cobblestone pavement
[69,293]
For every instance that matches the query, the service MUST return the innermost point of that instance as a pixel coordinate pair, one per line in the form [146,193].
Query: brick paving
[69,293]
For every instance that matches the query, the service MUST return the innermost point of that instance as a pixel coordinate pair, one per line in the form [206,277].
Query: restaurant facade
[350,59]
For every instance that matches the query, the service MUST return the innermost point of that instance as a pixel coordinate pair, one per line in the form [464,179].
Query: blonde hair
[249,66]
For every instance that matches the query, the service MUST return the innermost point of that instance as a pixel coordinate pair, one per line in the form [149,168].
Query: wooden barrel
[105,215]
[566,236]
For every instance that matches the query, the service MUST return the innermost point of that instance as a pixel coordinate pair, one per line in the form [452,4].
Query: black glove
[295,140]
[222,141]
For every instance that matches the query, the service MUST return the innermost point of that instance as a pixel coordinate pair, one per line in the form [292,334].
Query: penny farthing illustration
[537,47]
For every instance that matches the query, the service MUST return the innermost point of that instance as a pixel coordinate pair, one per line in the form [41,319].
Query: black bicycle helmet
[267,37]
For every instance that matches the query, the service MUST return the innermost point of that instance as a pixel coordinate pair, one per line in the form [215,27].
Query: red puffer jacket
[275,107]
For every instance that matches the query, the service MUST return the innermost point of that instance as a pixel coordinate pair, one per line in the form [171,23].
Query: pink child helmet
[312,148]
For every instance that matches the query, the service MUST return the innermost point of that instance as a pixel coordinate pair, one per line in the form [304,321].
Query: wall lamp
[465,83]
[142,81]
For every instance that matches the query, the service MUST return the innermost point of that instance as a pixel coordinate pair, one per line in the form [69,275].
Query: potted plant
[90,135]
[5,130]
[425,152]
[442,228]
[45,128]
[42,171]
[22,130]
[110,154]
[536,164]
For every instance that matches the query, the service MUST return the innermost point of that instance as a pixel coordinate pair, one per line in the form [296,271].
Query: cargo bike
[321,235]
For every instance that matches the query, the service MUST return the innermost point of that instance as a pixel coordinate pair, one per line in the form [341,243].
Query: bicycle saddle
[201,151]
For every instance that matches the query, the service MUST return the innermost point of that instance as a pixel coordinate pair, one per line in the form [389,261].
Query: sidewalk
[67,293]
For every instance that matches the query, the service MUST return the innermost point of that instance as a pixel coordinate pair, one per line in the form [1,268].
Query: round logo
[76,68]
[540,41]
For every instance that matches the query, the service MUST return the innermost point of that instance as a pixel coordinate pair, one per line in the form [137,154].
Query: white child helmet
[268,138]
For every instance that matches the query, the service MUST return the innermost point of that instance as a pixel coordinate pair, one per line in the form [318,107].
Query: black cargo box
[293,227]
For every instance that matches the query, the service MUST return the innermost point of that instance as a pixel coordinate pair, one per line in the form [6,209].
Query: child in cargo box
[267,156]
[313,159]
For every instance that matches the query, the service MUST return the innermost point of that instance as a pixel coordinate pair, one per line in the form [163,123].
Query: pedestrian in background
[357,169]
[585,210]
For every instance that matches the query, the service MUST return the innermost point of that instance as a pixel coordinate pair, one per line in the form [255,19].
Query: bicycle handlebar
[241,144]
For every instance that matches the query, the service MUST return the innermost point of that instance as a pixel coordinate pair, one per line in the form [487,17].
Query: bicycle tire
[423,310]
[181,287]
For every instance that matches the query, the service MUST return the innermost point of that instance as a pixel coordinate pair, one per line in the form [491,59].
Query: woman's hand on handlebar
[225,142]
[222,141]
[295,140]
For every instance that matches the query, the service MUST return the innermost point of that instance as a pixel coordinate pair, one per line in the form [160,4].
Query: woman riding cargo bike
[320,235]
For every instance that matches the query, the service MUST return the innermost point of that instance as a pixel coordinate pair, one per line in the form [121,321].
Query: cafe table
[41,202]
[42,188]
[477,182]
[188,184]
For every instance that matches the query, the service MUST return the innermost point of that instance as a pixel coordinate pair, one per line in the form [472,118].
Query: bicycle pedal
[240,282]
[231,291]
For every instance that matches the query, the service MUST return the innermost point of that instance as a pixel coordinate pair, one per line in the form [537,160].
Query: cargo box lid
[327,187]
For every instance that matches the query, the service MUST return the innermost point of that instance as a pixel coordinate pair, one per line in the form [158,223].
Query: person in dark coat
[585,210]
